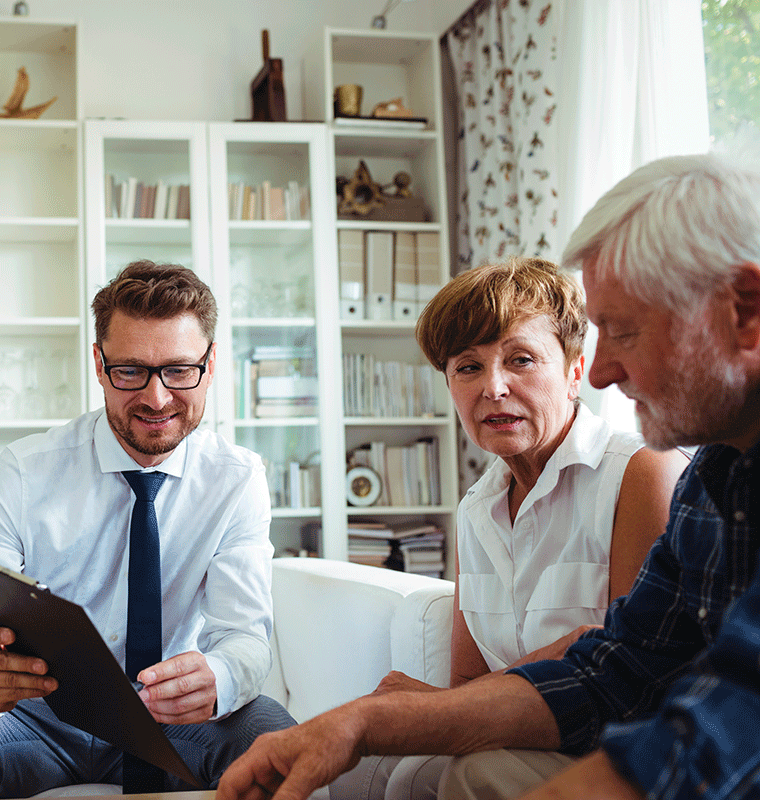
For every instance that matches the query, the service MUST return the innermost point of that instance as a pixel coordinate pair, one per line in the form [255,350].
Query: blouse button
[113,637]
[702,613]
[739,516]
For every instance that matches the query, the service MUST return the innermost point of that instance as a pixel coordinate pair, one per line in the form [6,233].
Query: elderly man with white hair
[667,693]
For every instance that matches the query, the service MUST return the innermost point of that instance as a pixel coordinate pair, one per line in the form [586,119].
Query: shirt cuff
[574,710]
[225,692]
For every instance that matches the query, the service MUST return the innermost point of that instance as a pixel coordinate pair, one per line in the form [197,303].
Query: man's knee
[259,716]
[208,749]
[498,774]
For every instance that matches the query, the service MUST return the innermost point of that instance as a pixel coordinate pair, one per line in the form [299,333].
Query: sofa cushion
[339,628]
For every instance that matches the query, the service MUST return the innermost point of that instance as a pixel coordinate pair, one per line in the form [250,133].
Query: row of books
[387,275]
[133,199]
[294,485]
[276,381]
[268,202]
[408,547]
[374,388]
[409,474]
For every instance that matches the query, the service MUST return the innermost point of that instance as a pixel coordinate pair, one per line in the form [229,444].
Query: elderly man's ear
[745,301]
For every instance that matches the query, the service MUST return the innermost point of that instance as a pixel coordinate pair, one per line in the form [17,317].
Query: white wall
[194,59]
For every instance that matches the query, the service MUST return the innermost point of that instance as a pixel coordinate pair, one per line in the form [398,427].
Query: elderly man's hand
[291,764]
[21,677]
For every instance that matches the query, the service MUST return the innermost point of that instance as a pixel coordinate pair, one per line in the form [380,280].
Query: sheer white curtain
[632,89]
[557,101]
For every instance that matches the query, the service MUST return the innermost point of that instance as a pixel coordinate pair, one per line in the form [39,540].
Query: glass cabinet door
[147,197]
[278,384]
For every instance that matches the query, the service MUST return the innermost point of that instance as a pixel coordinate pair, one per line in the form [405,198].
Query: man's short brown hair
[146,290]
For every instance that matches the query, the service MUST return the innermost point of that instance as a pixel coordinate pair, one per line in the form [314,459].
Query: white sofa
[339,628]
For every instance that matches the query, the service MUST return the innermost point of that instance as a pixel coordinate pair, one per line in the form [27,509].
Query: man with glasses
[71,501]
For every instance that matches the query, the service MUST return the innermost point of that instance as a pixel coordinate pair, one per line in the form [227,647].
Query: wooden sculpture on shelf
[268,88]
[362,198]
[361,194]
[392,109]
[14,104]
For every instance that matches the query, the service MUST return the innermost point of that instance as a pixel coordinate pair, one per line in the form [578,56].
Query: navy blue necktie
[143,646]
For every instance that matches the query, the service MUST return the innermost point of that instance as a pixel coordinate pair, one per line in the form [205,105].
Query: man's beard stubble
[703,398]
[158,444]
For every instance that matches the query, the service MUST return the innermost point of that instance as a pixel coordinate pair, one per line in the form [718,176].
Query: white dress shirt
[523,586]
[65,513]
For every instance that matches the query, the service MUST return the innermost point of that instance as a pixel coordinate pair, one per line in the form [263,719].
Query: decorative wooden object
[362,198]
[392,109]
[268,88]
[361,194]
[13,105]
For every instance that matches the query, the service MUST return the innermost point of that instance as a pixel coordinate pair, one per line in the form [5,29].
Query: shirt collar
[724,470]
[112,457]
[585,443]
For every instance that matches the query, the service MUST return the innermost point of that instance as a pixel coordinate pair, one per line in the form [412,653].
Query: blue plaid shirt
[676,667]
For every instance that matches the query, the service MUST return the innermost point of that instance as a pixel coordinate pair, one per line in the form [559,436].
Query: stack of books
[133,199]
[277,381]
[267,202]
[374,388]
[293,484]
[416,547]
[409,473]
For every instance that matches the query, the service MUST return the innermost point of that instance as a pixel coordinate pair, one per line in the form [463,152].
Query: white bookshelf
[390,64]
[42,310]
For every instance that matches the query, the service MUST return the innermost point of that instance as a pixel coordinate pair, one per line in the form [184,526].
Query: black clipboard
[94,694]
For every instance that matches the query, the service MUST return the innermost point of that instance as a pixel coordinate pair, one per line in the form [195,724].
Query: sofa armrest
[339,628]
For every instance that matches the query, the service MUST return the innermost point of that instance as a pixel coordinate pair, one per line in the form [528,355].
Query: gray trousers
[38,752]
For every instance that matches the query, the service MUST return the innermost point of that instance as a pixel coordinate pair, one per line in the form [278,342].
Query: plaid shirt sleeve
[672,734]
[622,672]
[705,740]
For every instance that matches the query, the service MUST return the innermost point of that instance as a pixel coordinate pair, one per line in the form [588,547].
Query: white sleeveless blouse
[521,587]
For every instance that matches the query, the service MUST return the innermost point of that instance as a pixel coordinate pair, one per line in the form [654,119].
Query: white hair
[676,229]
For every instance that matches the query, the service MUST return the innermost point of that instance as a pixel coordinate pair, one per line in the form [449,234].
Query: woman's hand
[399,682]
[555,650]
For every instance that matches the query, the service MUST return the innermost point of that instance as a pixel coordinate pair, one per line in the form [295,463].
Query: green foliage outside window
[732,59]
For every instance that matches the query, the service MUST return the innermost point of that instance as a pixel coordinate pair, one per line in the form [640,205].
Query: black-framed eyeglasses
[133,377]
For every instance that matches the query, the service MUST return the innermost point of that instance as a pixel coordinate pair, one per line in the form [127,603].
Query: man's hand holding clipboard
[42,633]
[21,677]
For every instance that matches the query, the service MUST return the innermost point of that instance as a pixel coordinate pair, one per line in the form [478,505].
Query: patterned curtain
[504,57]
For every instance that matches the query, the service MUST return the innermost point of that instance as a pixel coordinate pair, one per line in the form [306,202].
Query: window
[732,61]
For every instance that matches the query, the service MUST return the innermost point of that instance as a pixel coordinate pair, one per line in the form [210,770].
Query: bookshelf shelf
[392,422]
[273,322]
[379,225]
[369,327]
[397,511]
[38,229]
[278,422]
[147,231]
[296,513]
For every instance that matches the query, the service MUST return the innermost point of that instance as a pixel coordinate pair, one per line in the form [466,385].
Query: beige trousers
[498,774]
